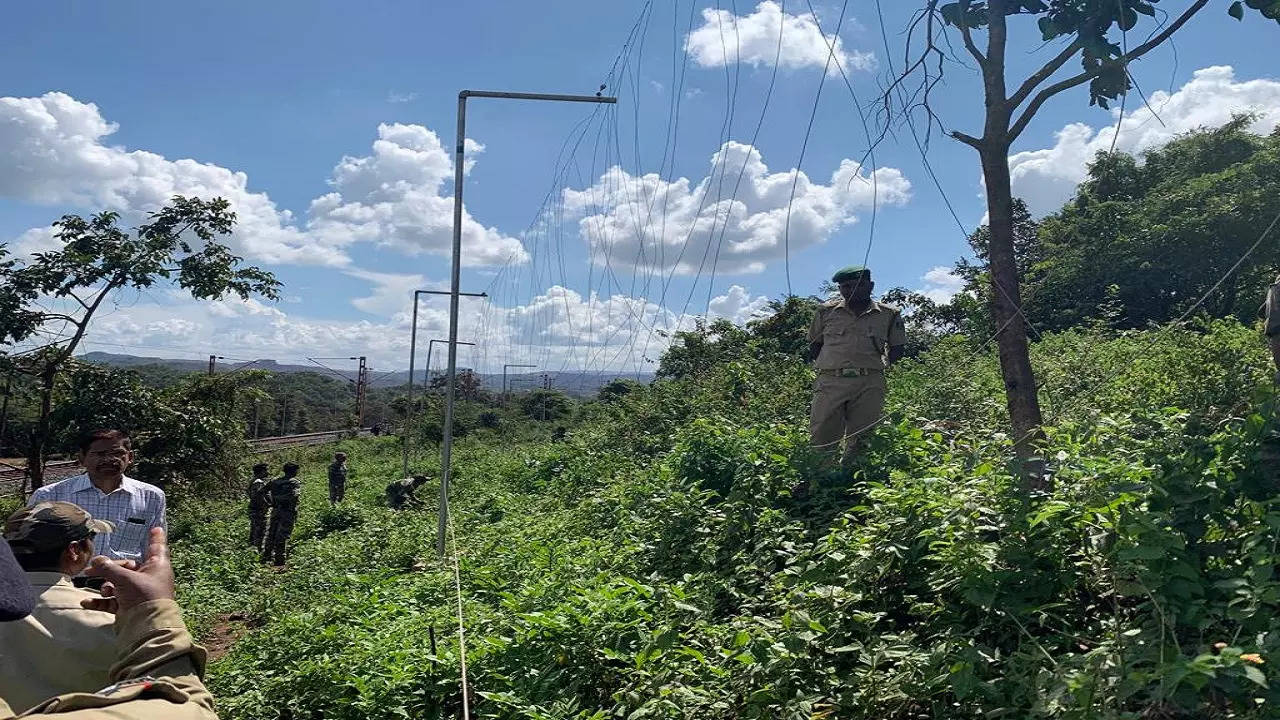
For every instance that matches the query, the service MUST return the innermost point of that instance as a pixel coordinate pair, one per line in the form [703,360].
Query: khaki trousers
[844,409]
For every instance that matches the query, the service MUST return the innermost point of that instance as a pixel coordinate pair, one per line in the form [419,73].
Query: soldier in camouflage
[338,478]
[259,503]
[400,494]
[285,493]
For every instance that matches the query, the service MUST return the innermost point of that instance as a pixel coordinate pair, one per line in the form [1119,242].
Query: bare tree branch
[965,138]
[968,37]
[1043,74]
[77,299]
[1088,75]
[46,317]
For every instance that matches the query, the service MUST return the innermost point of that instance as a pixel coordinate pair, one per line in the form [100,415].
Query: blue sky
[283,91]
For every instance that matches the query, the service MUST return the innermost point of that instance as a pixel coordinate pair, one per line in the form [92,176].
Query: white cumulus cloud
[738,306]
[655,225]
[941,284]
[394,198]
[1048,177]
[54,151]
[725,38]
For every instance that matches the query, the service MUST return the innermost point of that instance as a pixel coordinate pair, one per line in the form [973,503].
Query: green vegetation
[1145,238]
[658,563]
[65,287]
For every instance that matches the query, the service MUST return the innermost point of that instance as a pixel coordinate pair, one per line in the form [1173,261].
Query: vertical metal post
[213,360]
[455,280]
[361,381]
[413,346]
[408,413]
[426,370]
[446,449]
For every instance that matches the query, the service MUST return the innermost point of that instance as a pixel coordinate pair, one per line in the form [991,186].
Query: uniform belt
[852,372]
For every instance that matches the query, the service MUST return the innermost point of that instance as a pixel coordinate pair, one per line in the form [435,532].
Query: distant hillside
[583,384]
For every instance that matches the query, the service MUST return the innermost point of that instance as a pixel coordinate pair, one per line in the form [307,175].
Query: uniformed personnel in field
[285,491]
[259,503]
[852,340]
[1270,312]
[400,493]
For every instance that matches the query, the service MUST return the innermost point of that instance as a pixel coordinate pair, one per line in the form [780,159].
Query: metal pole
[213,359]
[361,376]
[504,378]
[455,279]
[426,370]
[413,344]
[408,413]
[446,448]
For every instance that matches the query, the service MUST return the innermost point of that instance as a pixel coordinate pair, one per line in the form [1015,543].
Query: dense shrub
[659,563]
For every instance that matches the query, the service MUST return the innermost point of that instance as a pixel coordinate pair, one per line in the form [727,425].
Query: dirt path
[227,629]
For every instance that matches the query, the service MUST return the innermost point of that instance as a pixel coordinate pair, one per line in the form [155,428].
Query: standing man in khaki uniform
[1270,311]
[852,340]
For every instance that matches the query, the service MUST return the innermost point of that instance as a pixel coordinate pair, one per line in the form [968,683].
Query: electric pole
[504,378]
[455,280]
[213,361]
[413,348]
[362,383]
[426,383]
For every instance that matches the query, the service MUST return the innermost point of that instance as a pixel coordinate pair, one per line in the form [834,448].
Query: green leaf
[1255,675]
[1236,10]
[952,14]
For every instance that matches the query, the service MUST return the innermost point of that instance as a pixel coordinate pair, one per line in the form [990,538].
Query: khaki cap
[50,525]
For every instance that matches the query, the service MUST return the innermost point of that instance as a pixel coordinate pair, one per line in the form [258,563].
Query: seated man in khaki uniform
[852,340]
[157,671]
[60,647]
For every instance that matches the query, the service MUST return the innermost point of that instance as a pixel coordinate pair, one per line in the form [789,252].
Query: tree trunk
[1015,359]
[40,438]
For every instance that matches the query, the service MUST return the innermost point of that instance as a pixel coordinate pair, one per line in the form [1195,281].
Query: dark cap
[850,273]
[16,596]
[49,526]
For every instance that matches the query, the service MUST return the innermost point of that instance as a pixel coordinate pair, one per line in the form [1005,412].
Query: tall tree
[1096,33]
[57,294]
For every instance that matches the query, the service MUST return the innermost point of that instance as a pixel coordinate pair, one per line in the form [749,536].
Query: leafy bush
[191,429]
[337,518]
[656,564]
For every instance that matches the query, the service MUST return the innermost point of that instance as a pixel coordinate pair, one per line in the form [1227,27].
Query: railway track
[11,478]
[260,445]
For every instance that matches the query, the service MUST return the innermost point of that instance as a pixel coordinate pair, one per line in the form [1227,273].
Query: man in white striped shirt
[106,493]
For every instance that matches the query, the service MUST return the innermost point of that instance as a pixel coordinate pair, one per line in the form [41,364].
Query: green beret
[850,273]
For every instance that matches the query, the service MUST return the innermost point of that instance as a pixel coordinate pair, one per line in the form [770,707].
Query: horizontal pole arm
[446,292]
[537,96]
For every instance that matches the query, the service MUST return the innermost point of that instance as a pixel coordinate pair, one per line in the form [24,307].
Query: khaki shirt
[855,341]
[59,648]
[156,675]
[1271,310]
